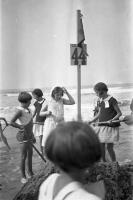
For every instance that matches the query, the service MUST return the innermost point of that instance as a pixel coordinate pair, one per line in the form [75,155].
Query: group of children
[51,112]
[72,146]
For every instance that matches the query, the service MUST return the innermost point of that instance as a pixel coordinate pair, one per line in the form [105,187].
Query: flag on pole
[81,35]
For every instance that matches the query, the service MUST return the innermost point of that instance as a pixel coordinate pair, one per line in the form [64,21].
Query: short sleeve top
[72,191]
[107,111]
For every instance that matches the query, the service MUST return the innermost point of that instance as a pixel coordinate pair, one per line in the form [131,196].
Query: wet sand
[9,166]
[9,160]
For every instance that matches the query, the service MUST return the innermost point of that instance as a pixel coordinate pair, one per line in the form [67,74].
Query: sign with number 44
[78,56]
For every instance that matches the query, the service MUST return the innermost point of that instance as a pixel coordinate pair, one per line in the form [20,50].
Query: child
[73,147]
[23,116]
[38,128]
[108,111]
[55,110]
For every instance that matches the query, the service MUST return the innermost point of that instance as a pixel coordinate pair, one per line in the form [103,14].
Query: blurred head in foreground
[73,146]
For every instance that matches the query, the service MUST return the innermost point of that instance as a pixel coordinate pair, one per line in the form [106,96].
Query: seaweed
[118,181]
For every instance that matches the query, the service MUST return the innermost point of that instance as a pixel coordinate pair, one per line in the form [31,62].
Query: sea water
[123,94]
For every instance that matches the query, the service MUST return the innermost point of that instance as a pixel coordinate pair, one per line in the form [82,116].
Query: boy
[22,120]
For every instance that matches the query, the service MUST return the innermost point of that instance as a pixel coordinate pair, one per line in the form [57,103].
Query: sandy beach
[9,166]
[45,44]
[9,162]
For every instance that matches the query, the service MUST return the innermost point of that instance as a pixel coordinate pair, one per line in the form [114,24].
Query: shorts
[38,130]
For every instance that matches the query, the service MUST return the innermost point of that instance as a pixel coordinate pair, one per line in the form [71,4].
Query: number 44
[81,56]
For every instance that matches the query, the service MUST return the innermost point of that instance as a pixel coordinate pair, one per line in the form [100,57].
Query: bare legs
[26,152]
[110,148]
[40,141]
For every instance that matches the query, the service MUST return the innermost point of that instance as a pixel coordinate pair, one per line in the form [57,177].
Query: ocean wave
[70,111]
[84,91]
[11,94]
[124,103]
[111,90]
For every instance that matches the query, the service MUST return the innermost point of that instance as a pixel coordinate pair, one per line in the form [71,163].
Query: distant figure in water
[24,123]
[107,111]
[54,110]
[73,147]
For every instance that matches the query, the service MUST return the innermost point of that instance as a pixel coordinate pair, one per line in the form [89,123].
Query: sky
[36,37]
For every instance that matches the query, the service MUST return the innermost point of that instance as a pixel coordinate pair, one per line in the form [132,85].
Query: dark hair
[56,90]
[100,87]
[38,92]
[24,97]
[73,145]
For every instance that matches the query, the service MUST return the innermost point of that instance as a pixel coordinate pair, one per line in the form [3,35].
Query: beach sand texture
[9,160]
[9,166]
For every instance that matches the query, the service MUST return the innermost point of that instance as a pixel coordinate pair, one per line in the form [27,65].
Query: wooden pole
[78,81]
[79,92]
[38,152]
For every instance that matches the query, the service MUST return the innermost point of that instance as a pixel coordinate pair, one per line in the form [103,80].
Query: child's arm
[70,100]
[95,117]
[44,111]
[34,113]
[14,118]
[117,109]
